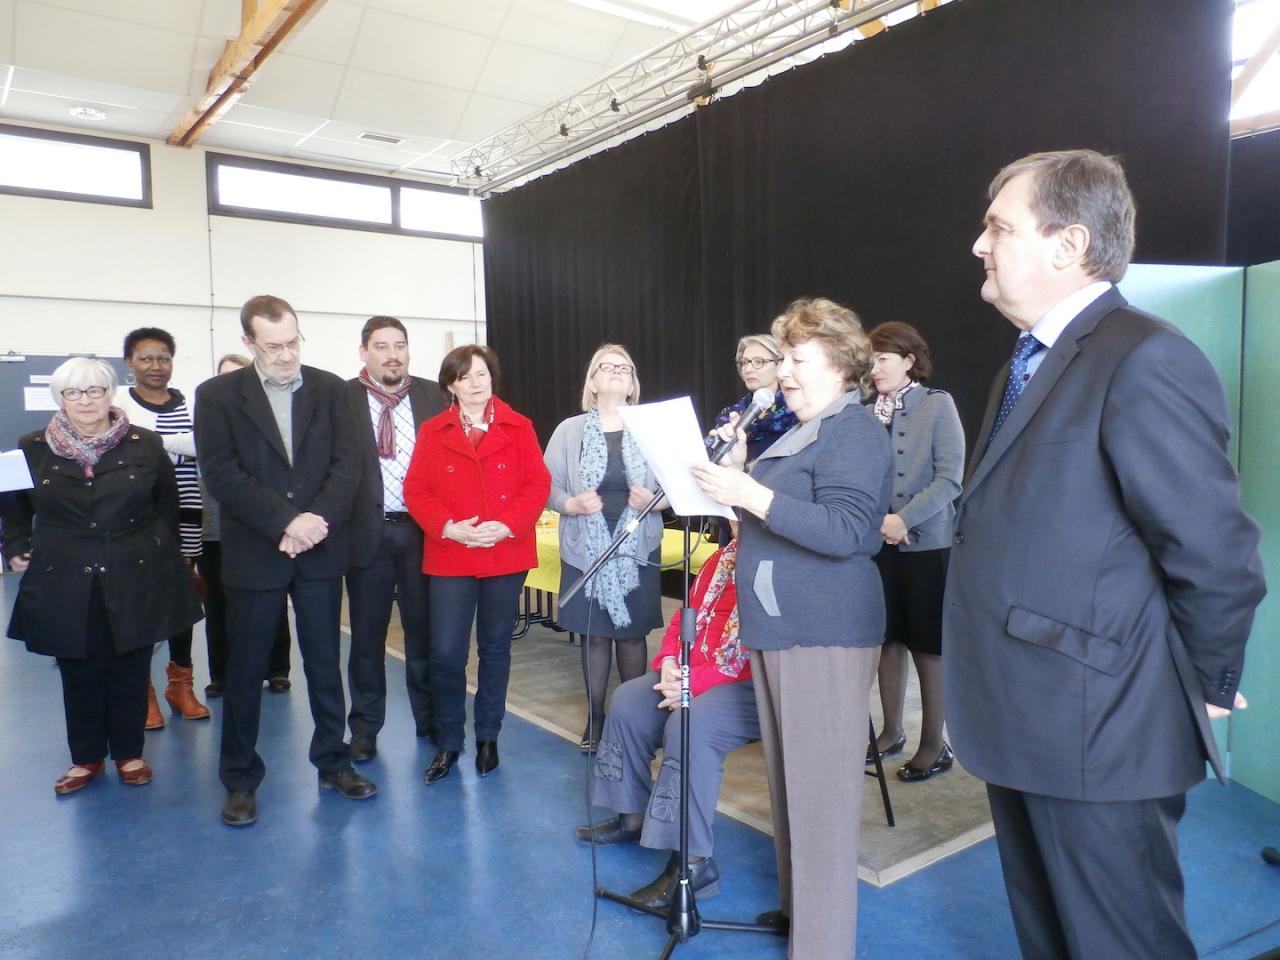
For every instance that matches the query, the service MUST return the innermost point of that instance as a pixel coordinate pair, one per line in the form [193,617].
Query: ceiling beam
[1253,66]
[265,25]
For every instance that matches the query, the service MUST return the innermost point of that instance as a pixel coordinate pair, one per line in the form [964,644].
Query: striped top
[171,418]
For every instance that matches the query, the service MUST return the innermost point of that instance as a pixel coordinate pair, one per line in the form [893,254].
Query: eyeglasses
[75,393]
[160,360]
[622,368]
[273,350]
[756,363]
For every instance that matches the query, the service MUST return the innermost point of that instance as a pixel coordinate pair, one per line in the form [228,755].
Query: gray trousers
[814,705]
[720,720]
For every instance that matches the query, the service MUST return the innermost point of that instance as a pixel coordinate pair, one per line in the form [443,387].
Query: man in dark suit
[273,442]
[1103,577]
[386,544]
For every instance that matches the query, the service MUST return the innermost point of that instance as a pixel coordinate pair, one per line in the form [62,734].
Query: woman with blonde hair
[599,483]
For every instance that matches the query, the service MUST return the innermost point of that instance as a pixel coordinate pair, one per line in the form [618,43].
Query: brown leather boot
[180,694]
[155,719]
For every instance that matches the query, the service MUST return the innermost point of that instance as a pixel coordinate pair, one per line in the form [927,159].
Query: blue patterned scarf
[621,575]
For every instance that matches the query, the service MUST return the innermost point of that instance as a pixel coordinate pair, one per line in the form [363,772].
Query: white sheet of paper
[38,398]
[14,474]
[671,442]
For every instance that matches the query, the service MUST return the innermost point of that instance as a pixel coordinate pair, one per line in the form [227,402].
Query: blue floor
[465,868]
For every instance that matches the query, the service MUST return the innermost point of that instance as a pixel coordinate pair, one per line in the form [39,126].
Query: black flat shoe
[704,878]
[240,809]
[607,832]
[889,751]
[775,920]
[363,747]
[213,690]
[486,757]
[348,783]
[909,774]
[278,685]
[440,765]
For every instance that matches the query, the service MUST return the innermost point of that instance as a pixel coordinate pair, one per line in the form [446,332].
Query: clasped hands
[473,534]
[669,684]
[589,502]
[303,532]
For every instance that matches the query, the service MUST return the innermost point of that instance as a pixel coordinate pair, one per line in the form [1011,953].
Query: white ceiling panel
[337,151]
[83,45]
[393,105]
[53,111]
[539,76]
[247,115]
[483,18]
[350,133]
[180,16]
[296,85]
[230,136]
[429,166]
[417,50]
[330,34]
[107,96]
[221,19]
[206,57]
[486,115]
[563,28]
[6,35]
[638,38]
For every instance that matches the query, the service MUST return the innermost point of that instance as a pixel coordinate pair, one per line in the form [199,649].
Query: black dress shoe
[213,690]
[588,745]
[775,920]
[363,747]
[278,685]
[240,809]
[440,765]
[486,757]
[889,751]
[348,783]
[607,832]
[909,774]
[704,877]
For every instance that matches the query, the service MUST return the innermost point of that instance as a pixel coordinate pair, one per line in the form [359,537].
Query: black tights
[180,648]
[597,657]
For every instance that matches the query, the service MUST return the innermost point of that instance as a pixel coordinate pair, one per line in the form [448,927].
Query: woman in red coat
[476,485]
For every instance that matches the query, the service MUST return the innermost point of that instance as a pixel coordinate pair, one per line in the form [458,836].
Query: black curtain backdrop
[860,177]
[1254,217]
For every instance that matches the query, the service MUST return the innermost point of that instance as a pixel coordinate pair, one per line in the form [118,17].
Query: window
[1254,25]
[293,193]
[68,166]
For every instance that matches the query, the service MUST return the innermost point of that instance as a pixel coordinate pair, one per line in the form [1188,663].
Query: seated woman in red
[644,715]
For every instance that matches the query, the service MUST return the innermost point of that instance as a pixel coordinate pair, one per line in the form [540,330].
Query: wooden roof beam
[1253,66]
[265,24]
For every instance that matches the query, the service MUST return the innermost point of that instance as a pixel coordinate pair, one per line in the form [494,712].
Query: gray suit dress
[1102,586]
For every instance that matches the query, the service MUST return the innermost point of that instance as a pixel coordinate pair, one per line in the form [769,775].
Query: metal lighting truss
[667,81]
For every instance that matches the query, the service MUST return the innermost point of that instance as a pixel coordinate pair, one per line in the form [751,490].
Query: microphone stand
[683,920]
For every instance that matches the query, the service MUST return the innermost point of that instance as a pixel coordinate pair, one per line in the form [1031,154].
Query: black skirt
[913,585]
[644,603]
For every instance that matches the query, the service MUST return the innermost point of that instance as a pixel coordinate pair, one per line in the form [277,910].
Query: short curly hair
[837,330]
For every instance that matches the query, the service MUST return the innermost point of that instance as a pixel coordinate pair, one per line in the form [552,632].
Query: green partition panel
[1207,304]
[1255,733]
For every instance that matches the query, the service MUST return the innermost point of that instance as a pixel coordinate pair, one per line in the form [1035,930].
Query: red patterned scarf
[390,399]
[66,441]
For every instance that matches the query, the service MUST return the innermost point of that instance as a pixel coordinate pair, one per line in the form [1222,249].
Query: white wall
[76,277]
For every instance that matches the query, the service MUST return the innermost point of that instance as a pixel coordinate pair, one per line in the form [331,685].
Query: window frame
[215,160]
[141,148]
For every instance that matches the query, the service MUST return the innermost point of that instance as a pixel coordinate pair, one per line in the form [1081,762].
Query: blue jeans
[455,603]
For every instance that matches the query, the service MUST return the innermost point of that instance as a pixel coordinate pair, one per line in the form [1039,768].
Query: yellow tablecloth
[546,575]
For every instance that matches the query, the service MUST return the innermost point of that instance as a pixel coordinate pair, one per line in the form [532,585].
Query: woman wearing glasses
[757,359]
[152,403]
[98,539]
[599,483]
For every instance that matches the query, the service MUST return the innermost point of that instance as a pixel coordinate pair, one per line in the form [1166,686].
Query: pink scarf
[390,399]
[65,441]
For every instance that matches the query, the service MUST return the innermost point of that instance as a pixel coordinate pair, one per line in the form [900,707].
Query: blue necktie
[1027,347]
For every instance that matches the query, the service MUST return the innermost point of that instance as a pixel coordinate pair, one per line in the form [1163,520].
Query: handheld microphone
[761,401]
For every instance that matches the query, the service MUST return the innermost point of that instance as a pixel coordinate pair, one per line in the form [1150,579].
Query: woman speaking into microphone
[812,506]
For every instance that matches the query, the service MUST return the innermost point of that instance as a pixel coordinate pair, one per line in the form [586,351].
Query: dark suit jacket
[366,527]
[247,471]
[1104,577]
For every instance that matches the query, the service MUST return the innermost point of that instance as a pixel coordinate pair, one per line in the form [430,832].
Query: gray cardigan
[928,463]
[805,575]
[563,458]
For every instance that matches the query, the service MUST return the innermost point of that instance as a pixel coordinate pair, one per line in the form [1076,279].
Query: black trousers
[1089,879]
[215,620]
[317,606]
[395,574]
[104,694]
[455,602]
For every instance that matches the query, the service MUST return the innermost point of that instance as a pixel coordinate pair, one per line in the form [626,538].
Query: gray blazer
[563,458]
[928,461]
[1103,580]
[805,575]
